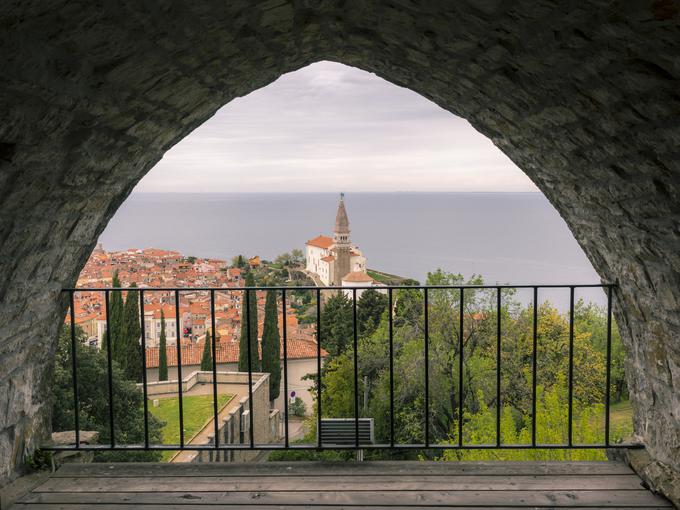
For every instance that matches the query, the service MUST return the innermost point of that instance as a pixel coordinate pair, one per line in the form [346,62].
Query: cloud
[331,127]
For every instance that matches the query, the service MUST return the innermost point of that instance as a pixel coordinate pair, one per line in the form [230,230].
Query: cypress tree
[249,316]
[116,318]
[206,359]
[162,354]
[130,351]
[271,345]
[370,307]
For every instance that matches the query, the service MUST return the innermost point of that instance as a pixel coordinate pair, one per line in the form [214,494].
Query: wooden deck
[376,485]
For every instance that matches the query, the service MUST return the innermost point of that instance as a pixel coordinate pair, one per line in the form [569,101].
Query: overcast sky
[329,127]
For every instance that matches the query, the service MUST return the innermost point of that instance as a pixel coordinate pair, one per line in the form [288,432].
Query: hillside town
[154,268]
[330,261]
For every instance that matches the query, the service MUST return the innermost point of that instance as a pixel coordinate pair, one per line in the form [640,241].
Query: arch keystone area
[583,96]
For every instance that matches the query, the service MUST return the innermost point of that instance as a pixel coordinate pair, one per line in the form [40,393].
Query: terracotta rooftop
[321,242]
[357,277]
[227,352]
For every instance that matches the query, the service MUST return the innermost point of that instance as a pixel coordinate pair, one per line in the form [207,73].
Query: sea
[507,238]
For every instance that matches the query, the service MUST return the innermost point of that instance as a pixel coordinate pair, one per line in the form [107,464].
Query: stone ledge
[660,478]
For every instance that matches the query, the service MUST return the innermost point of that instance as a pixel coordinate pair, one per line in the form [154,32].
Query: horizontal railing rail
[284,291]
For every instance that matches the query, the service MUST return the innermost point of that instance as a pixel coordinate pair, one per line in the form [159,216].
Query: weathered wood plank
[412,468]
[601,499]
[340,483]
[88,506]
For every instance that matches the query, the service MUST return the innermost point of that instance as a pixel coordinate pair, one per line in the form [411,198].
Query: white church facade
[335,260]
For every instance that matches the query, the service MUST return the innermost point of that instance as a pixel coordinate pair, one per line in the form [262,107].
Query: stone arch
[581,96]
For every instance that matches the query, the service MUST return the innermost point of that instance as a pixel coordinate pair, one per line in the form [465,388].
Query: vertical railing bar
[427,369]
[74,369]
[390,320]
[571,367]
[285,366]
[534,359]
[460,368]
[608,367]
[178,351]
[144,381]
[318,367]
[213,333]
[356,367]
[251,423]
[109,367]
[498,366]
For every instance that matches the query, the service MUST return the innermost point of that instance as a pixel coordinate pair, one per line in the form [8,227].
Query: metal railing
[460,444]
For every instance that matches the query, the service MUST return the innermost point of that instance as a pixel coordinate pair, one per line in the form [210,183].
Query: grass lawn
[198,411]
[621,418]
[387,279]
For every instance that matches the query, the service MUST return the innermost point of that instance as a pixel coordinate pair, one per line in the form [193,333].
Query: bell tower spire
[342,246]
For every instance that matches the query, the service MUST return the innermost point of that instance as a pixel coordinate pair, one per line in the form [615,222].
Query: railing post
[390,319]
[74,369]
[607,395]
[251,431]
[356,367]
[318,367]
[214,369]
[571,367]
[285,367]
[498,366]
[460,367]
[178,351]
[109,366]
[427,368]
[534,368]
[144,381]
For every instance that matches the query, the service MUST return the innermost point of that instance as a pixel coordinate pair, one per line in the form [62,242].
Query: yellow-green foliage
[551,429]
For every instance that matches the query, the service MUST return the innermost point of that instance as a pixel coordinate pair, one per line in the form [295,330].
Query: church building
[335,259]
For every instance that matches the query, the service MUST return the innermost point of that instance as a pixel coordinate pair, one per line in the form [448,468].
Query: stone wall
[583,96]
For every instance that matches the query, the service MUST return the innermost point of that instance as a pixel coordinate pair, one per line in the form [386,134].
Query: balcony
[248,427]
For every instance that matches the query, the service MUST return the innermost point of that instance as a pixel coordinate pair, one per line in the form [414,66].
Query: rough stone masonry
[584,97]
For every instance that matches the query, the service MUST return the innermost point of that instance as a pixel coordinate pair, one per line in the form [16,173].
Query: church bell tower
[342,246]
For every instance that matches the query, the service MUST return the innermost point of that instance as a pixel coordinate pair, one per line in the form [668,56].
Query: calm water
[506,237]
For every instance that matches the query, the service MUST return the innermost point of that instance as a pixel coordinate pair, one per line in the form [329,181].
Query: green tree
[130,350]
[116,319]
[297,257]
[92,370]
[162,352]
[206,359]
[336,324]
[239,261]
[370,307]
[249,317]
[271,345]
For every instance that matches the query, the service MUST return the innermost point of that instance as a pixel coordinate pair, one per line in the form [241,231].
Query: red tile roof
[357,276]
[227,352]
[321,242]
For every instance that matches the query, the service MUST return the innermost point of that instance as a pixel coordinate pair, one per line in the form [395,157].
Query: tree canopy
[249,344]
[92,370]
[271,345]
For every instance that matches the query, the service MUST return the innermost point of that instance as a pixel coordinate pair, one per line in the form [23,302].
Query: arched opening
[591,125]
[361,134]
